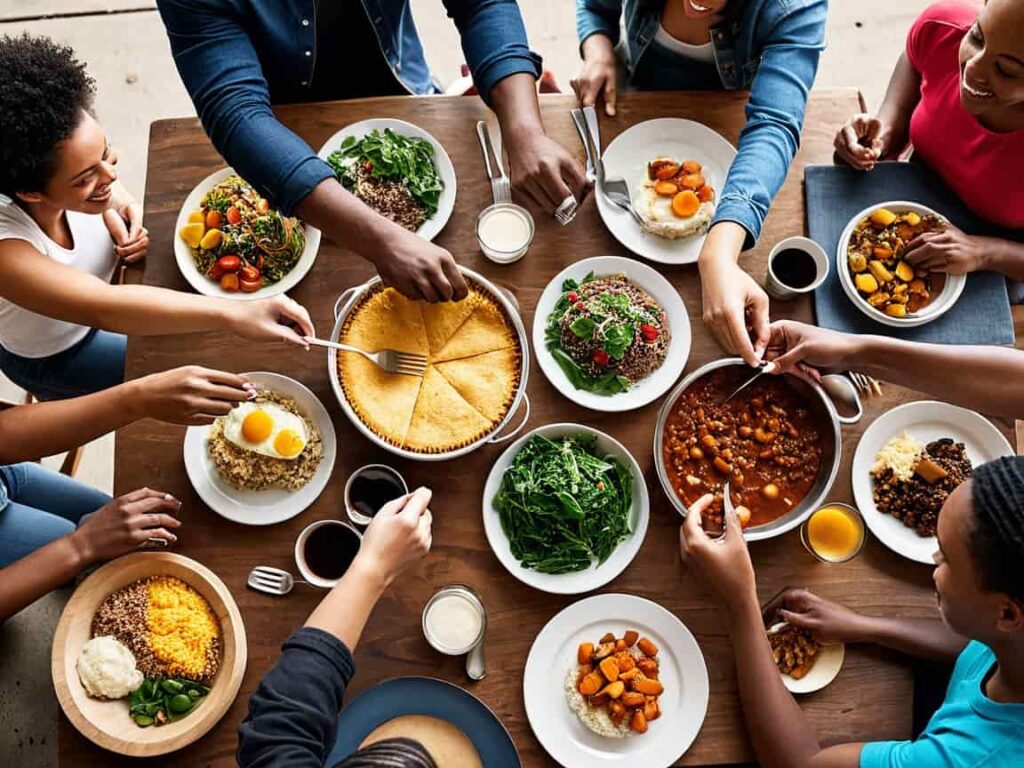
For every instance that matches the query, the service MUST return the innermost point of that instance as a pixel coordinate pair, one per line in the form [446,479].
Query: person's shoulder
[939,25]
[786,7]
[975,658]
[773,15]
[16,224]
[959,14]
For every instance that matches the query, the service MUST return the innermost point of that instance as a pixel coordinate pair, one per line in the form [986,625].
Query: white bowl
[661,290]
[579,581]
[204,285]
[939,305]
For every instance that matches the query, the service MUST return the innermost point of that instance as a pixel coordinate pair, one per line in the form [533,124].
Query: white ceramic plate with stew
[926,420]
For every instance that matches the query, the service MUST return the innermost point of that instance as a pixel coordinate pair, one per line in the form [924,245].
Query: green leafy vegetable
[391,156]
[562,506]
[164,700]
[617,339]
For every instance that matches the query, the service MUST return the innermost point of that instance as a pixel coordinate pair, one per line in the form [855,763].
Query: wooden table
[872,697]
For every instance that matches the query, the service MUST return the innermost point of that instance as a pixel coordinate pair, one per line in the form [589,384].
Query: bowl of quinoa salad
[901,500]
[179,621]
[611,333]
[406,193]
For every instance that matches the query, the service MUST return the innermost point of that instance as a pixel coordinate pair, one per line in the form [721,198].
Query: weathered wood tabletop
[871,699]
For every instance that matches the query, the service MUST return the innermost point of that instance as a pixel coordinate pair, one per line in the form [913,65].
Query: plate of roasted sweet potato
[878,277]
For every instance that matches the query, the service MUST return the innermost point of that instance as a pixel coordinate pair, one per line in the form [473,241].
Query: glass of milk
[504,232]
[454,623]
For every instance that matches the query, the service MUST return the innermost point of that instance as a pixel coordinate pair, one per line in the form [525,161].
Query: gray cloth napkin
[834,194]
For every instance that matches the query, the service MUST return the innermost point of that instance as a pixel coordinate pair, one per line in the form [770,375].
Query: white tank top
[704,53]
[29,334]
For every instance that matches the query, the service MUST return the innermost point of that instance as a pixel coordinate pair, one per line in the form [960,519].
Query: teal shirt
[969,730]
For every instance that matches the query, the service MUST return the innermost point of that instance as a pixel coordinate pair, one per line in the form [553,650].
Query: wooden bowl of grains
[181,625]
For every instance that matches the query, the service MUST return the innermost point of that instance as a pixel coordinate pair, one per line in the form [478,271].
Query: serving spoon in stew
[762,368]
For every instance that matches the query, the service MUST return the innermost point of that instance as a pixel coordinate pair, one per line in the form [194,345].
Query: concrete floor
[124,46]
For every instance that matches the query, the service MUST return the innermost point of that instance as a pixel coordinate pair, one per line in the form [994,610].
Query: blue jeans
[37,506]
[93,364]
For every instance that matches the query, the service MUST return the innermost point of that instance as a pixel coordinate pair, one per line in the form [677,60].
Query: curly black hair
[43,91]
[996,539]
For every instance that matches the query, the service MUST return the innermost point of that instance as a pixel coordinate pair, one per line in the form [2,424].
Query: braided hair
[996,539]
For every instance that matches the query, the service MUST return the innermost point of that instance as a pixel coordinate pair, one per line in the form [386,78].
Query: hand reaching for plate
[794,347]
[278,318]
[829,622]
[190,395]
[126,523]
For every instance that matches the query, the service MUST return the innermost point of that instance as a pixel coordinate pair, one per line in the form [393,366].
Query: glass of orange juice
[834,533]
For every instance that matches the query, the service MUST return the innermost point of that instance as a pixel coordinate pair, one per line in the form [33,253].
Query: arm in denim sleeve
[775,115]
[220,69]
[293,712]
[598,16]
[493,41]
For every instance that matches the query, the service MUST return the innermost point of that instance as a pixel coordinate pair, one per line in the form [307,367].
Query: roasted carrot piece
[648,666]
[685,204]
[631,637]
[647,647]
[647,686]
[706,194]
[616,712]
[629,674]
[691,166]
[633,699]
[666,188]
[665,170]
[610,669]
[692,181]
[607,637]
[638,722]
[651,709]
[591,684]
[614,690]
[585,653]
[625,661]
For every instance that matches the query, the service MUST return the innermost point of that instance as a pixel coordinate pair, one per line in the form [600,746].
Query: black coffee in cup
[330,549]
[795,267]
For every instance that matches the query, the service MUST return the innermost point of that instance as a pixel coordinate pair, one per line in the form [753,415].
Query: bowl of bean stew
[777,443]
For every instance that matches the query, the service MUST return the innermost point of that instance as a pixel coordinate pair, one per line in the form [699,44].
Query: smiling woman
[65,221]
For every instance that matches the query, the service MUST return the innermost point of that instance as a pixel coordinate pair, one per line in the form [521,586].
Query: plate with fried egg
[266,460]
[675,170]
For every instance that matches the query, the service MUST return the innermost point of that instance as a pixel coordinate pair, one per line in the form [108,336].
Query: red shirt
[984,168]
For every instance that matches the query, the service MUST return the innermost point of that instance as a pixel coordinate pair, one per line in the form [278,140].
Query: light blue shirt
[969,730]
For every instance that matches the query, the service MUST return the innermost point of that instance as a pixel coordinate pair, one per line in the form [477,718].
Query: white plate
[430,228]
[628,155]
[683,672]
[580,581]
[274,505]
[826,668]
[208,287]
[645,391]
[938,306]
[926,420]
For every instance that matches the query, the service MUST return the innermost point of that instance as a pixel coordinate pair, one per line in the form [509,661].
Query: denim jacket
[770,47]
[237,57]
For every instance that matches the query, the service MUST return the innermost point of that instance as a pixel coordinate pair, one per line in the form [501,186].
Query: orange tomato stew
[766,440]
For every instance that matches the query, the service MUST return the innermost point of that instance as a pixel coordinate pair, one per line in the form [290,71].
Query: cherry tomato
[600,357]
[649,332]
[573,296]
[248,286]
[263,206]
[234,217]
[214,220]
[580,306]
[248,272]
[229,282]
[229,263]
[215,273]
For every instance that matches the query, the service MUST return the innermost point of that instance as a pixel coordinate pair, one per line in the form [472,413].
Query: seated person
[992,384]
[957,97]
[770,47]
[292,714]
[239,58]
[52,527]
[61,321]
[979,578]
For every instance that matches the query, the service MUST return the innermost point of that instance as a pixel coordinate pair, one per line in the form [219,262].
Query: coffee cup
[325,550]
[796,266]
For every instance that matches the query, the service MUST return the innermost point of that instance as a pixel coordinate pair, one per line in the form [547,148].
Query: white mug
[779,290]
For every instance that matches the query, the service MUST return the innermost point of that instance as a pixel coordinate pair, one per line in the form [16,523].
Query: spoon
[842,391]
[273,581]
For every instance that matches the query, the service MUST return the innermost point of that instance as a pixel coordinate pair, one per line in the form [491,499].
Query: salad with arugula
[606,333]
[562,506]
[392,173]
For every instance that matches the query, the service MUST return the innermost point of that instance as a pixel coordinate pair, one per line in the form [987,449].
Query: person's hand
[278,318]
[862,142]
[950,251]
[794,346]
[189,395]
[729,294]
[419,269]
[597,74]
[125,523]
[398,536]
[723,563]
[829,622]
[543,170]
[131,239]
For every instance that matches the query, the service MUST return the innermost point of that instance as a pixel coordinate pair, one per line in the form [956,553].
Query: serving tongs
[501,187]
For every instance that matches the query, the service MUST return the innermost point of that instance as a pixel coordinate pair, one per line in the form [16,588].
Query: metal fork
[391,360]
[273,581]
[866,385]
[501,187]
[614,188]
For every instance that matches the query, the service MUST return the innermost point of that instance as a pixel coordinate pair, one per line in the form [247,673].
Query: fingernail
[168,497]
[770,367]
[253,394]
